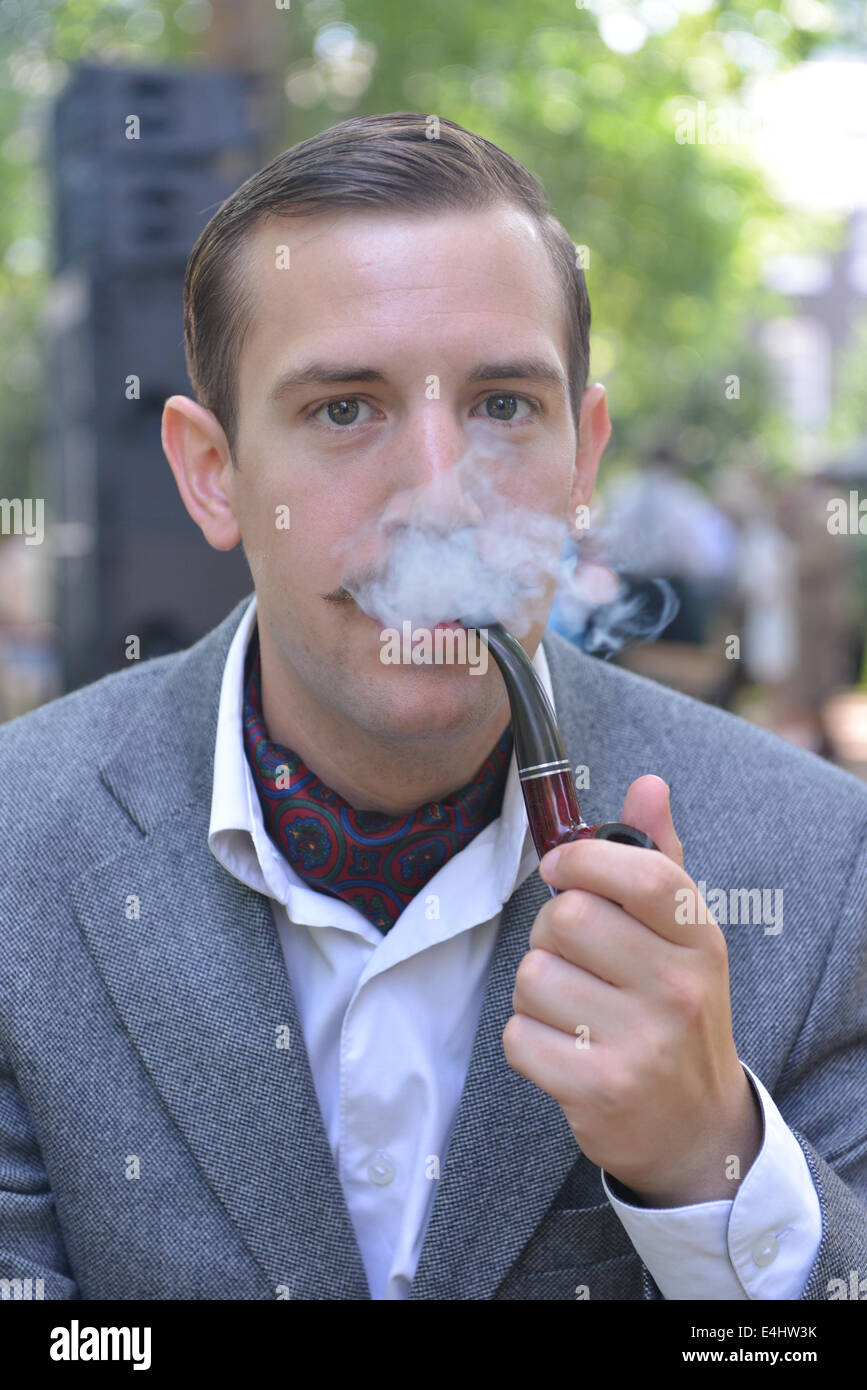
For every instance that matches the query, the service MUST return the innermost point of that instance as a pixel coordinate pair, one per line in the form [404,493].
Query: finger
[550,1059]
[563,996]
[647,885]
[647,806]
[599,936]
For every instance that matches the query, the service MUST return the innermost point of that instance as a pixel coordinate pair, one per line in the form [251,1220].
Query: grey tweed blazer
[155,1144]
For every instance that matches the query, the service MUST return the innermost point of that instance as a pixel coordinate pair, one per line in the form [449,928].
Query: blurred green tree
[626,110]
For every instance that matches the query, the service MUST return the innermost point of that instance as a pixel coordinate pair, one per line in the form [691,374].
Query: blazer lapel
[510,1150]
[191,960]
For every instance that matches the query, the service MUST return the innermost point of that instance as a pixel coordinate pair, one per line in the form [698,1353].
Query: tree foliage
[676,231]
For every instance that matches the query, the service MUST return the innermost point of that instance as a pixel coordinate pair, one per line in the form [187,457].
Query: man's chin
[429,701]
[415,681]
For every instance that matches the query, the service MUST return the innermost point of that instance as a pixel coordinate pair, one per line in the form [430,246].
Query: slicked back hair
[386,162]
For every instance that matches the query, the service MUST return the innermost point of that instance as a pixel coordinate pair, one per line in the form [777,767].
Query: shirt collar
[482,876]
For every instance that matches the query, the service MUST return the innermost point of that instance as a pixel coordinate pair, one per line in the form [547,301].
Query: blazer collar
[166,758]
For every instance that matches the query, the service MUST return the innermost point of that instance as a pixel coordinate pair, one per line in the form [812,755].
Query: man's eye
[501,406]
[341,412]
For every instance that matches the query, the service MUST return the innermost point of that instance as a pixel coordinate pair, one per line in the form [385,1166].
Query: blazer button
[380,1169]
[766,1249]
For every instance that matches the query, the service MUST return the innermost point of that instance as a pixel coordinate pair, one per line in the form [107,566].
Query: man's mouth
[453,625]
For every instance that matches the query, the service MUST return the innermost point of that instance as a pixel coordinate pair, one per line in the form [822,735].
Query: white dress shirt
[389,1023]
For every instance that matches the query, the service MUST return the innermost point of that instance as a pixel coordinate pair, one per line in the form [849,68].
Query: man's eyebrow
[522,368]
[343,373]
[324,374]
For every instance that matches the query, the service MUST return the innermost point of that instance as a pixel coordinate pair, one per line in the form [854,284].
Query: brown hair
[384,161]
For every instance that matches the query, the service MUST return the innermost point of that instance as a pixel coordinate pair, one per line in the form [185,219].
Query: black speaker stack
[141,161]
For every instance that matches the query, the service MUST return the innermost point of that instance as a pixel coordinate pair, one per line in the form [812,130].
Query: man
[287,1009]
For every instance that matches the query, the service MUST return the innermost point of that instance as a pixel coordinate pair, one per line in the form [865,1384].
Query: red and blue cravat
[375,862]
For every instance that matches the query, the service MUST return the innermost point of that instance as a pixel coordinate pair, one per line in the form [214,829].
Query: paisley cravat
[374,861]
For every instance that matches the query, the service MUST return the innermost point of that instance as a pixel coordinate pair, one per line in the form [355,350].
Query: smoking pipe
[543,768]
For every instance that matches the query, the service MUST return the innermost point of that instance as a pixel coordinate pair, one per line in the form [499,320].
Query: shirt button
[766,1249]
[380,1169]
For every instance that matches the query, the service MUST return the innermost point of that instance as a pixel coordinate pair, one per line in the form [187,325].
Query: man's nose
[434,476]
[442,504]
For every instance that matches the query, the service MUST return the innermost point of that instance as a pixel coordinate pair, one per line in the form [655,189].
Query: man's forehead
[328,264]
[471,250]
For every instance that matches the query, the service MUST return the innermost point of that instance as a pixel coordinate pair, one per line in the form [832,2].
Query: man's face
[412,298]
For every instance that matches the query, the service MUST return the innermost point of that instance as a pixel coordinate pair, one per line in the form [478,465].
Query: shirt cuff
[759,1245]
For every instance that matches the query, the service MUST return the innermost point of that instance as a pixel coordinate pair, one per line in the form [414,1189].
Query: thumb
[647,807]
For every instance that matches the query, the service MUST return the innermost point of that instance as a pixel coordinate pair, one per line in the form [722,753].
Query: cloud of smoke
[458,548]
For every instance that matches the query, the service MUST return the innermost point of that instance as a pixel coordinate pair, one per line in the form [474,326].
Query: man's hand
[622,1014]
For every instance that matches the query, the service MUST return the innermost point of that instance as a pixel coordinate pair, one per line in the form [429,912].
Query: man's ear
[198,452]
[594,432]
